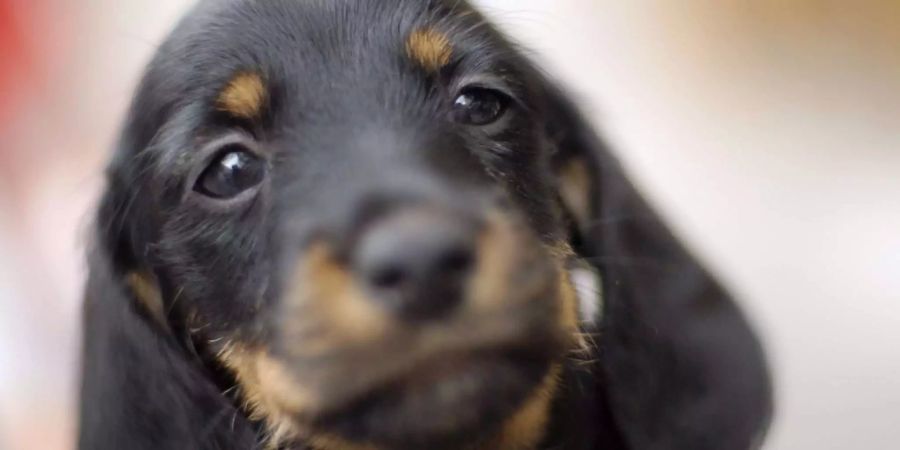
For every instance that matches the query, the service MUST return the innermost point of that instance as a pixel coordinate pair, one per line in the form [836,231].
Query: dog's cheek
[574,181]
[568,318]
[532,196]
[325,310]
[269,392]
[216,274]
[512,268]
[568,295]
[146,292]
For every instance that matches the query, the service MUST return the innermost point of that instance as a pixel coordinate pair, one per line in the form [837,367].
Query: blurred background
[768,131]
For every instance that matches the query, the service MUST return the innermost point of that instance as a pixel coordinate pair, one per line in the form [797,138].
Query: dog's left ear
[140,388]
[678,364]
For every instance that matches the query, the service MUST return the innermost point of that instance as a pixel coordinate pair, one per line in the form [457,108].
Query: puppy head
[348,210]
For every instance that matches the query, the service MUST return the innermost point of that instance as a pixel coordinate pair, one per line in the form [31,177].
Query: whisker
[231,390]
[234,419]
[199,329]
[175,299]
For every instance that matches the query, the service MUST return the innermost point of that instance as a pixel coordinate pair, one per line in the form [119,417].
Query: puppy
[361,225]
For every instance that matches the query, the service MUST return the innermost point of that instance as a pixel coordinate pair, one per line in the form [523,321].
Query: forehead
[325,43]
[317,64]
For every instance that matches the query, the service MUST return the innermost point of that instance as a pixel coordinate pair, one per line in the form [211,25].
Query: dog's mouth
[433,388]
[441,388]
[447,401]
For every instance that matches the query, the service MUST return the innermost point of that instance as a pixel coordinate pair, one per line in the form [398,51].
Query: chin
[445,403]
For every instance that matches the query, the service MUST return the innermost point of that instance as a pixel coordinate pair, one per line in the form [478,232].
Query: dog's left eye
[230,174]
[479,106]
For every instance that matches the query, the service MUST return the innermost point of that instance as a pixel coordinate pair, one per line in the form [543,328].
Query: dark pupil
[231,174]
[478,107]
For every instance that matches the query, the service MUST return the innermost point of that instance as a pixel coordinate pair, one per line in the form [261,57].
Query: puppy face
[348,211]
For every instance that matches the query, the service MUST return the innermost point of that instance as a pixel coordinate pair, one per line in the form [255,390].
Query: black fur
[675,367]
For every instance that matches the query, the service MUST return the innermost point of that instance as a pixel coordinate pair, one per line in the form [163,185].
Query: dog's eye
[231,173]
[479,106]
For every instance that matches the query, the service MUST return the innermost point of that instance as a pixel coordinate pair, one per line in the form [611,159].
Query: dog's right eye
[234,171]
[479,106]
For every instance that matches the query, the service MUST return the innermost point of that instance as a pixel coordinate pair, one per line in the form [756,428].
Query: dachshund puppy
[375,225]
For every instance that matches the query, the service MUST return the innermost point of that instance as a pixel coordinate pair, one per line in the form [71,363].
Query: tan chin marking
[144,287]
[268,391]
[429,48]
[325,292]
[525,429]
[270,395]
[244,96]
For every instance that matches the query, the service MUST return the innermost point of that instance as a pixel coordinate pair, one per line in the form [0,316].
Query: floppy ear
[679,366]
[139,389]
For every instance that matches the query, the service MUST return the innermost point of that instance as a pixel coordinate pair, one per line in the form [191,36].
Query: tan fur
[526,429]
[267,389]
[496,249]
[429,48]
[244,97]
[325,291]
[523,431]
[325,442]
[502,248]
[574,186]
[145,289]
[352,317]
[569,300]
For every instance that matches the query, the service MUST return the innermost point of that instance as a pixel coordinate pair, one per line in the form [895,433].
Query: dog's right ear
[140,388]
[677,364]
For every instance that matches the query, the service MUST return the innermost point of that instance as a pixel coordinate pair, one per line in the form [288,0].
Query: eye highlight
[233,172]
[479,106]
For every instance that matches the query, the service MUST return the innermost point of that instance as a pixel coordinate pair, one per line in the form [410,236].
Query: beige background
[767,130]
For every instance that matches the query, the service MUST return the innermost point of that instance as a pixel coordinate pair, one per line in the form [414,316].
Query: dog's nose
[416,262]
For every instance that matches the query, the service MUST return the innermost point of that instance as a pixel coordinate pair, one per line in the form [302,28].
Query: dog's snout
[416,262]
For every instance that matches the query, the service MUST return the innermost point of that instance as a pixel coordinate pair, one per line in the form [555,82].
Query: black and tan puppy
[353,224]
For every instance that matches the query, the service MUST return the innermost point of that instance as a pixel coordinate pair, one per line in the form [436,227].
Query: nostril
[456,261]
[388,277]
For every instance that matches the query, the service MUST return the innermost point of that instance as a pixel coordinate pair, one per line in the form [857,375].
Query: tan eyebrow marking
[244,96]
[429,48]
